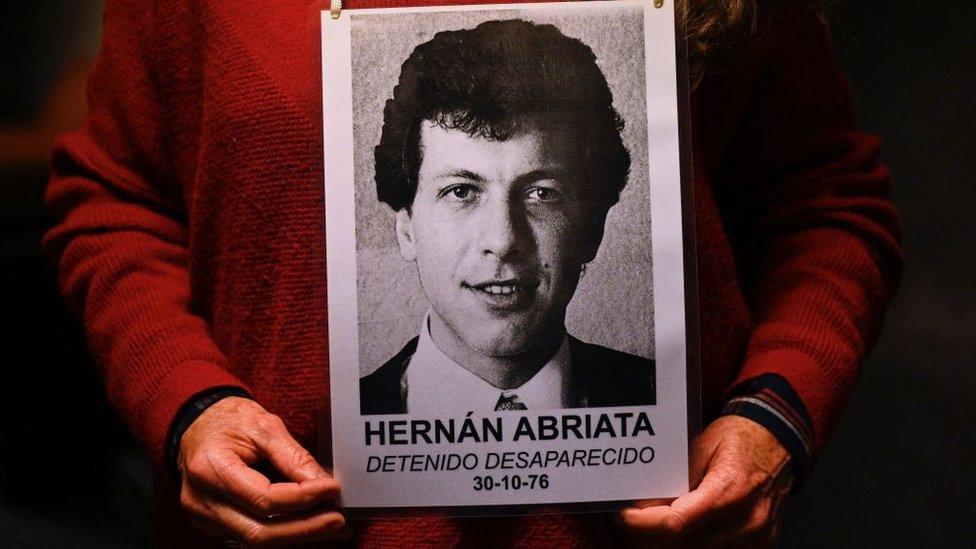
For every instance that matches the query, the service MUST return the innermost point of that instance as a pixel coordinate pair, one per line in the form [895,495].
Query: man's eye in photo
[544,194]
[459,192]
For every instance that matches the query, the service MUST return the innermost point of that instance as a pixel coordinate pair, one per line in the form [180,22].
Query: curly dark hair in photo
[492,81]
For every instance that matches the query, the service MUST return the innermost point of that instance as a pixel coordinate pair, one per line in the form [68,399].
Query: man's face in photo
[497,229]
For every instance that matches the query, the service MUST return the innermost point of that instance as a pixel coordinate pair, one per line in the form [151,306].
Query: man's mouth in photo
[503,293]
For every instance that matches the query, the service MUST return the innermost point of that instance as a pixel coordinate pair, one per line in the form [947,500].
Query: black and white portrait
[502,213]
[505,254]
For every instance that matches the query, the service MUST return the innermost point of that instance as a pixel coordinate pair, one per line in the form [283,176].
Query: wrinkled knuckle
[726,478]
[188,502]
[268,423]
[256,535]
[676,524]
[303,458]
[262,423]
[261,505]
[197,466]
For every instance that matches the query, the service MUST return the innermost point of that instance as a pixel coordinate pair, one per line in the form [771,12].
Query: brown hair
[714,27]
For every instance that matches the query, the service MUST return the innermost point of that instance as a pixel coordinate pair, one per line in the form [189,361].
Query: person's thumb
[287,455]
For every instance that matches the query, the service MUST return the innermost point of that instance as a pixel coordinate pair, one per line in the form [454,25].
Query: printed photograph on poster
[505,256]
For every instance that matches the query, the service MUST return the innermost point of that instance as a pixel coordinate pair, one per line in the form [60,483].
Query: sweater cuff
[770,401]
[188,413]
[171,393]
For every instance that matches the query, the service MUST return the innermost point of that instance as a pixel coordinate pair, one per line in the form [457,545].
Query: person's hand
[224,496]
[745,482]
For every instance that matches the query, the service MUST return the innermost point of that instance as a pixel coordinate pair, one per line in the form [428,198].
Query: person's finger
[749,526]
[690,511]
[284,452]
[225,474]
[759,529]
[198,513]
[220,518]
[640,504]
[289,531]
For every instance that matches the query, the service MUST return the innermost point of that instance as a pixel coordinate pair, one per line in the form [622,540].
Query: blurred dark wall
[895,474]
[38,39]
[69,474]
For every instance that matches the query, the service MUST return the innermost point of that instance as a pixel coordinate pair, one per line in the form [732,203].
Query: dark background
[899,471]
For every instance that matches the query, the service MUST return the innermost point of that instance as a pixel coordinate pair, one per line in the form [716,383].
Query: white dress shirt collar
[437,385]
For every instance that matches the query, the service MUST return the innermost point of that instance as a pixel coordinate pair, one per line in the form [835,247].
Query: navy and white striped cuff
[770,401]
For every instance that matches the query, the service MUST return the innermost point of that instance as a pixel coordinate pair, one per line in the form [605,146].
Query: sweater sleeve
[805,201]
[119,238]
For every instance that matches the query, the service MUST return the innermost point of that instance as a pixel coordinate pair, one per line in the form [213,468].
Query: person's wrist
[190,412]
[772,403]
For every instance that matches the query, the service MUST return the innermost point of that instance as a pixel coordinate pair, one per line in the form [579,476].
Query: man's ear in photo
[405,236]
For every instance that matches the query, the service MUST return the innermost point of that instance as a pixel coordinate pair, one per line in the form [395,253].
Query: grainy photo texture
[502,211]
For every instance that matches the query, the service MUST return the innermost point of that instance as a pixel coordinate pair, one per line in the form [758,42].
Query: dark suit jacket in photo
[609,378]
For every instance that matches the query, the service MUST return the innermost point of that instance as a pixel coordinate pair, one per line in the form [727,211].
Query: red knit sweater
[189,231]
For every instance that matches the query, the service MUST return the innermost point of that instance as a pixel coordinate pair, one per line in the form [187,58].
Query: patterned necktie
[510,402]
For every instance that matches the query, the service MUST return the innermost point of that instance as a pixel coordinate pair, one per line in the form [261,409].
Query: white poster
[506,272]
